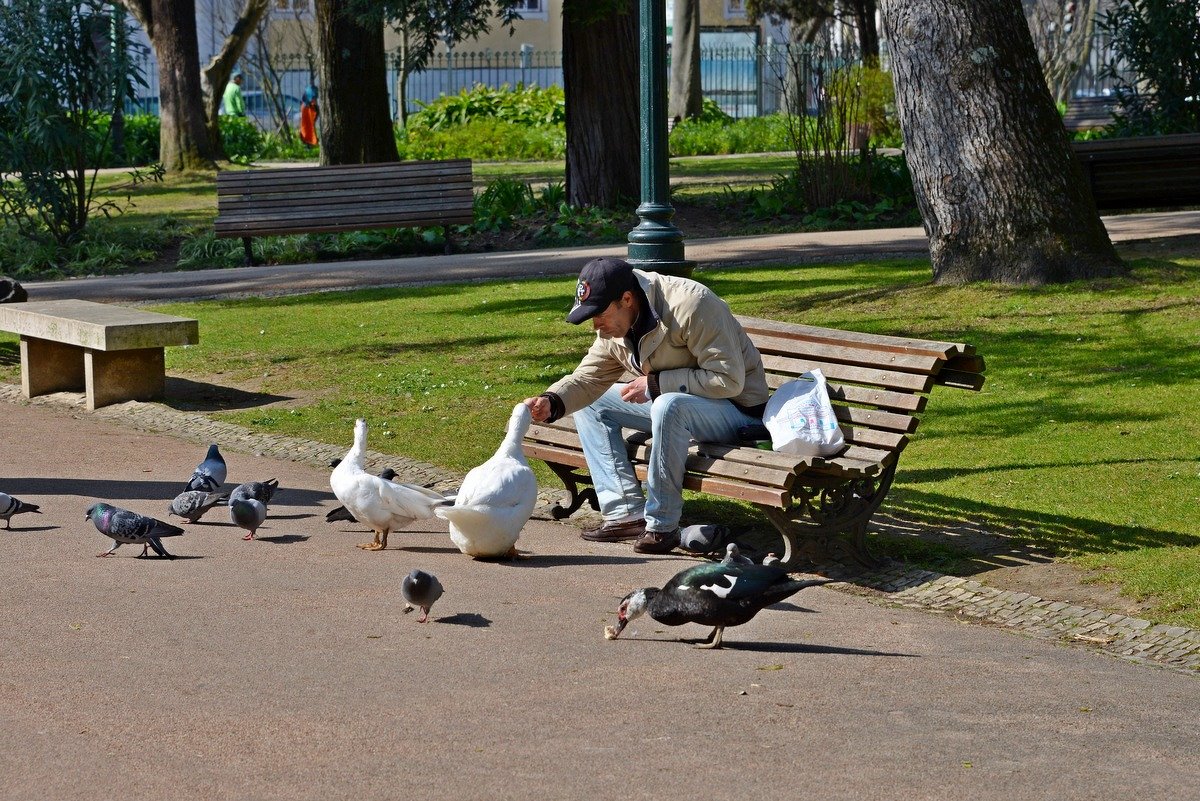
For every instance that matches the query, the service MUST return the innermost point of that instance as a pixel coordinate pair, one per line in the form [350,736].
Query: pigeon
[341,512]
[10,506]
[260,491]
[125,526]
[420,589]
[771,559]
[383,505]
[712,594]
[733,556]
[496,498]
[249,513]
[192,504]
[210,474]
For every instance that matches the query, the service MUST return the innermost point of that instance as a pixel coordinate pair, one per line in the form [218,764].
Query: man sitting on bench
[699,377]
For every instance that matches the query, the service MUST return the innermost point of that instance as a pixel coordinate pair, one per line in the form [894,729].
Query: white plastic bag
[801,419]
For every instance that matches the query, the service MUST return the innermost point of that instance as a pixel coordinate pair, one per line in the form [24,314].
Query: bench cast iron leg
[571,480]
[446,237]
[249,252]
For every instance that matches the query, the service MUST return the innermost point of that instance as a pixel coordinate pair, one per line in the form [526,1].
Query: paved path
[751,250]
[283,668]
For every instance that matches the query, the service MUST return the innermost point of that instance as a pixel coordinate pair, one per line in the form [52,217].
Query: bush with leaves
[524,105]
[55,80]
[1155,65]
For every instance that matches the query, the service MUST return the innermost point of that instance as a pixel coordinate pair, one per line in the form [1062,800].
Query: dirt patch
[1060,581]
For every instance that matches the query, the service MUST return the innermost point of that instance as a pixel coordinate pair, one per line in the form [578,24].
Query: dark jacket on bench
[694,345]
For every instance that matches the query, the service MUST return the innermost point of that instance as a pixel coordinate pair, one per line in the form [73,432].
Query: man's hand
[539,408]
[635,391]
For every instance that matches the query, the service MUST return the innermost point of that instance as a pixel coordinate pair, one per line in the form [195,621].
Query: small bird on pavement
[10,506]
[126,527]
[714,594]
[249,513]
[420,589]
[733,556]
[209,474]
[261,491]
[192,504]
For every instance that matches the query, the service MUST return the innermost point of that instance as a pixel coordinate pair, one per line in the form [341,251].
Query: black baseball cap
[601,281]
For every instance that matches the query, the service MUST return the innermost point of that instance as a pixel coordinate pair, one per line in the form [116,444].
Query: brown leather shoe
[616,532]
[657,541]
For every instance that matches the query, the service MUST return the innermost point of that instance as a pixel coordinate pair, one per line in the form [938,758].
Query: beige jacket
[696,347]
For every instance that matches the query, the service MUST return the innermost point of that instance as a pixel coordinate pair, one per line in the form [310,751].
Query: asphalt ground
[284,668]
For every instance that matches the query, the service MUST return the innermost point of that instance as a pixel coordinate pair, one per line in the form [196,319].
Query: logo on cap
[583,291]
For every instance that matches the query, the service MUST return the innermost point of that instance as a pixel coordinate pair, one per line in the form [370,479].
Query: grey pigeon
[249,513]
[210,474]
[125,526]
[341,512]
[10,506]
[192,504]
[420,589]
[734,557]
[260,491]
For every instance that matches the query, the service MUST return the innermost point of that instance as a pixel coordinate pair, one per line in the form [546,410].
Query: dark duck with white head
[713,594]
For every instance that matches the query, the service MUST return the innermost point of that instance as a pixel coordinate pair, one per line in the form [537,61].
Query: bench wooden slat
[835,335]
[270,191]
[700,462]
[850,355]
[886,379]
[347,216]
[449,194]
[288,176]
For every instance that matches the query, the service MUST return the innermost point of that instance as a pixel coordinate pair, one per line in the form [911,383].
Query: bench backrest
[1143,171]
[878,384]
[344,198]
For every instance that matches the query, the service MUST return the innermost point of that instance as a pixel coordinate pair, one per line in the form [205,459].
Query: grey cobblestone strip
[1173,647]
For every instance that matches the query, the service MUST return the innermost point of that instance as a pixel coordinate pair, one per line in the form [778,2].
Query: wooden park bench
[111,353]
[305,200]
[879,386]
[1089,113]
[1142,172]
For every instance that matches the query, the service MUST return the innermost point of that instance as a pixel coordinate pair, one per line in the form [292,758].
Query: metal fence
[743,81]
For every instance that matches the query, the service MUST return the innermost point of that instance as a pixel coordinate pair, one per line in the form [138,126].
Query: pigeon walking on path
[126,527]
[192,504]
[261,491]
[717,594]
[10,506]
[383,505]
[496,498]
[249,513]
[209,474]
[420,589]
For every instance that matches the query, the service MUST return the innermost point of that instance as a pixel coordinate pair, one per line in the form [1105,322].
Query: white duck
[496,498]
[383,505]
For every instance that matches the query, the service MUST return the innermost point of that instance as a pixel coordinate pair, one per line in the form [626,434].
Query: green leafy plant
[524,105]
[1155,65]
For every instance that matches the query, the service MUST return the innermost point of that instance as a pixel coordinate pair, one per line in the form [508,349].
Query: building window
[735,9]
[531,9]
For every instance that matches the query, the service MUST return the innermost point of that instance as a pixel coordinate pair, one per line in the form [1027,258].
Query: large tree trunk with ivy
[183,138]
[356,122]
[600,80]
[685,98]
[1002,197]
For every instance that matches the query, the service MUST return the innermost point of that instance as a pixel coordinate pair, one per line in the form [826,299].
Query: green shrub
[484,139]
[105,246]
[717,137]
[524,105]
[242,139]
[871,101]
[141,139]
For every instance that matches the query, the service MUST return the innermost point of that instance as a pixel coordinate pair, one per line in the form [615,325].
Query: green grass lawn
[1084,440]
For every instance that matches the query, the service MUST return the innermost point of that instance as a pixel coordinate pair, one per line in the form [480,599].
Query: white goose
[496,498]
[383,505]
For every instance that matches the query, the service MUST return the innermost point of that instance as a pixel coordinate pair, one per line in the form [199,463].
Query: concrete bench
[111,353]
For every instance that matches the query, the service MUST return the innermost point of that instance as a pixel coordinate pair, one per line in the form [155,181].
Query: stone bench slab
[97,326]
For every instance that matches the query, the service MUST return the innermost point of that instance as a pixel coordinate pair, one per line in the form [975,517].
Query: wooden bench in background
[879,386]
[111,353]
[1089,113]
[305,200]
[1142,172]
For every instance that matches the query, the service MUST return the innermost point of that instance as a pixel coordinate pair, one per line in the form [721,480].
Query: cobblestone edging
[1138,640]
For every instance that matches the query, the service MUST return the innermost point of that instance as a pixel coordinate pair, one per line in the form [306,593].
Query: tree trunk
[183,139]
[600,80]
[216,73]
[685,98]
[356,123]
[863,12]
[1002,196]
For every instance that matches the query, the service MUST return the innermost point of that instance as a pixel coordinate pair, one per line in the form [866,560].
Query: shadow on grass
[10,354]
[187,395]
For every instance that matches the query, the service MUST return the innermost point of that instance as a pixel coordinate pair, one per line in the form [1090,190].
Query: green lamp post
[655,244]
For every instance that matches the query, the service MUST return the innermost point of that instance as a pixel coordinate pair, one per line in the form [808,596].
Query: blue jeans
[674,420]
